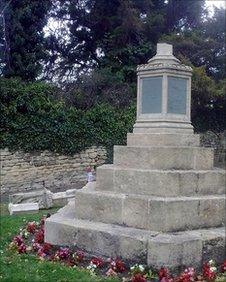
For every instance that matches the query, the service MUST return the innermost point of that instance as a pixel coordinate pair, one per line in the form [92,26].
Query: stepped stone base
[162,183]
[173,250]
[163,157]
[157,139]
[139,211]
[173,127]
[162,203]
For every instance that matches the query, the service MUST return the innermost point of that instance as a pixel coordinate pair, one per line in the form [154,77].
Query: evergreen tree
[121,34]
[204,45]
[23,37]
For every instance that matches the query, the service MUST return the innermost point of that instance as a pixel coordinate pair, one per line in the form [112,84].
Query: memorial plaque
[177,95]
[151,95]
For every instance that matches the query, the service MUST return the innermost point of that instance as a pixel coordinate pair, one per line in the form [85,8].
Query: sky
[218,3]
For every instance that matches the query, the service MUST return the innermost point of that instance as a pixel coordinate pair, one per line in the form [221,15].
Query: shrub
[33,119]
[208,107]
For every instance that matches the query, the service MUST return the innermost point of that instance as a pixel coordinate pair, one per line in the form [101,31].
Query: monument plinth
[162,202]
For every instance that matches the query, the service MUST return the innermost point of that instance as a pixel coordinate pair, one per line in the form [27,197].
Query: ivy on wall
[32,120]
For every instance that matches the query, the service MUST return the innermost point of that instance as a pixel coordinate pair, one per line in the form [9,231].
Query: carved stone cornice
[164,65]
[164,59]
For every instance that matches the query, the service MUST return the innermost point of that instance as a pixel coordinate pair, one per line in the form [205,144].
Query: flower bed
[31,240]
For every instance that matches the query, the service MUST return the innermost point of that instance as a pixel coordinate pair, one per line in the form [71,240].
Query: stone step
[161,182]
[163,157]
[157,139]
[164,214]
[181,249]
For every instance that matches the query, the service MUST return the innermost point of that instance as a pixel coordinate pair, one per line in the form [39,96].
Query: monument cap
[164,49]
[164,53]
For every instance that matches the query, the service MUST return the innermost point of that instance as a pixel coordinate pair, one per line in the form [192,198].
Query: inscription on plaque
[177,95]
[151,95]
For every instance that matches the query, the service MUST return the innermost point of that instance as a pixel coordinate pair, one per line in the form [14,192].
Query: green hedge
[32,119]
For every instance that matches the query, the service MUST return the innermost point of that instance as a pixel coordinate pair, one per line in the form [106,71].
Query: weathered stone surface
[105,177]
[163,214]
[161,182]
[142,139]
[163,157]
[70,192]
[42,197]
[23,208]
[98,207]
[214,243]
[96,237]
[186,213]
[21,172]
[173,250]
[60,199]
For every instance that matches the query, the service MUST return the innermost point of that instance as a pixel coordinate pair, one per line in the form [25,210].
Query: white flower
[213,269]
[141,267]
[91,267]
[137,267]
[211,262]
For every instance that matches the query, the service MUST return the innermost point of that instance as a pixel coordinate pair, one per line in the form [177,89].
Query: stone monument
[162,202]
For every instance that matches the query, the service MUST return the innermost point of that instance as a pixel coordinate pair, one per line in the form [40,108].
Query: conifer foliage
[23,37]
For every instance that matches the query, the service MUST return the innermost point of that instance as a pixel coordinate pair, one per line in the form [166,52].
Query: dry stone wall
[218,142]
[26,171]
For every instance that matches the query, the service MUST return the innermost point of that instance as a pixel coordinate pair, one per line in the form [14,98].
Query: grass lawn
[15,267]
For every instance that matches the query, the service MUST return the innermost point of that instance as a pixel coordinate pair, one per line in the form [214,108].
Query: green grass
[15,267]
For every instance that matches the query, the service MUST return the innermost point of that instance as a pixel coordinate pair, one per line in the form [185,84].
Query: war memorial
[161,202]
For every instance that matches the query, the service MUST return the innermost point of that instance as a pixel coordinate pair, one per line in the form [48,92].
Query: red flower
[62,253]
[36,246]
[187,276]
[79,255]
[111,272]
[208,273]
[138,278]
[39,236]
[18,240]
[42,221]
[223,267]
[165,279]
[118,265]
[70,262]
[46,248]
[41,253]
[163,273]
[97,261]
[43,250]
[22,248]
[31,227]
[51,257]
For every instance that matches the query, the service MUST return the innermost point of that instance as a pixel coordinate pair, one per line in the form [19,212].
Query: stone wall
[26,171]
[218,142]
